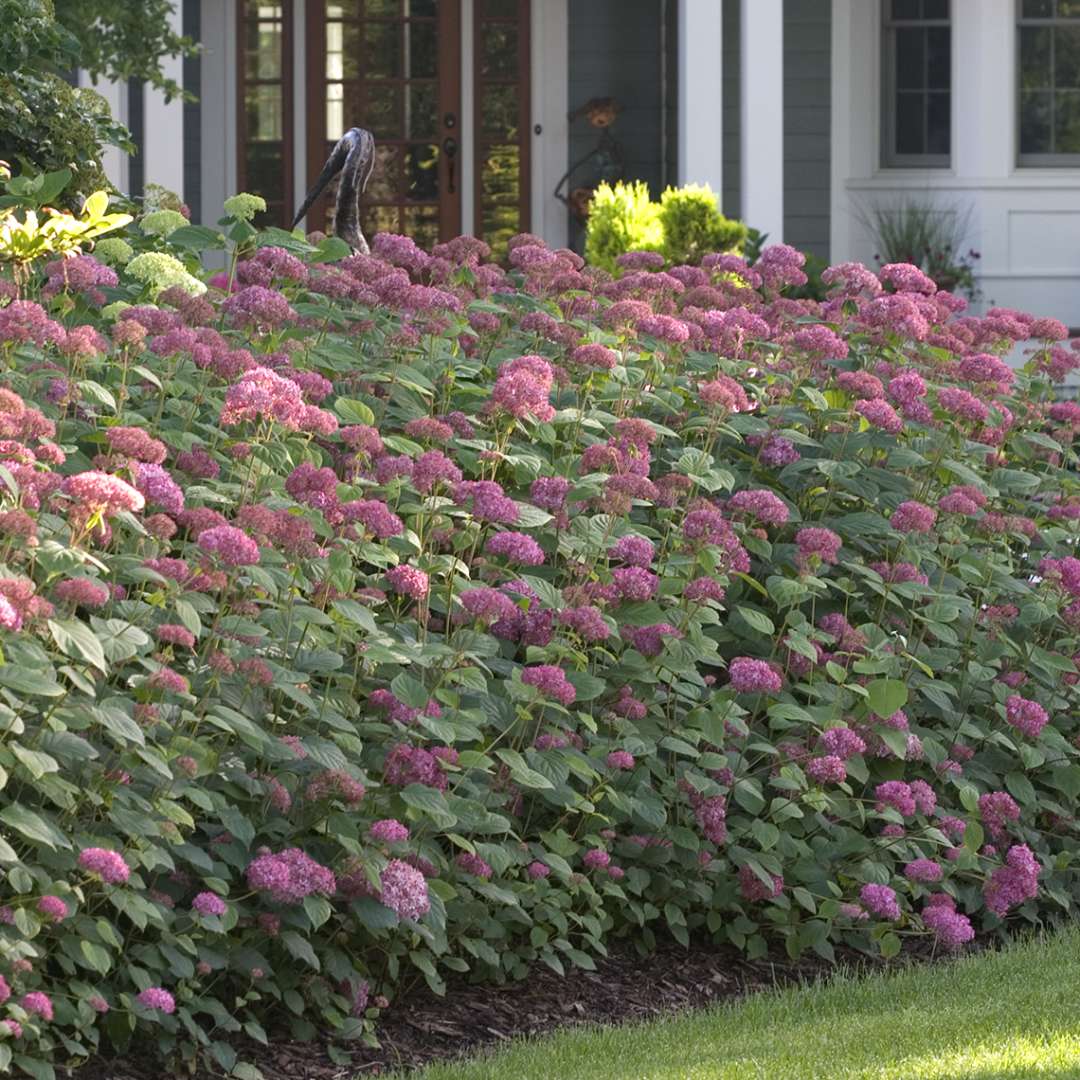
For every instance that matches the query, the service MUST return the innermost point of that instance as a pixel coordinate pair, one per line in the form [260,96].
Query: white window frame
[890,158]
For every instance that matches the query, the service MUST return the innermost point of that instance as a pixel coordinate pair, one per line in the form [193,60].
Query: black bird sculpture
[354,158]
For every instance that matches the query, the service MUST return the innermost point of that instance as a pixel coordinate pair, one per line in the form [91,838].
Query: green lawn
[1013,1014]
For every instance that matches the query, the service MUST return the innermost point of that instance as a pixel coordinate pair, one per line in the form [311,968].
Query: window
[1049,82]
[916,83]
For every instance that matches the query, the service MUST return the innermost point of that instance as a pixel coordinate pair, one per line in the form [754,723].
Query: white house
[802,113]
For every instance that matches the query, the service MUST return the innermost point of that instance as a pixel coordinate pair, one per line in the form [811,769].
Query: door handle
[450,147]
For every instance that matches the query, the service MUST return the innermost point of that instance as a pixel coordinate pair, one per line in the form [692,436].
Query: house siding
[615,51]
[807,115]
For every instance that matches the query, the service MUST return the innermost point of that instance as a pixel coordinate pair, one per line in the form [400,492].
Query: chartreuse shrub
[1007,1014]
[683,226]
[694,226]
[378,619]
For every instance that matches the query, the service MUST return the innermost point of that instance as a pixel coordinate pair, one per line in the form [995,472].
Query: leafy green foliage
[372,619]
[622,218]
[685,225]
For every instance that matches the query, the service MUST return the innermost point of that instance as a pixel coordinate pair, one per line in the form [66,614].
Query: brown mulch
[421,1028]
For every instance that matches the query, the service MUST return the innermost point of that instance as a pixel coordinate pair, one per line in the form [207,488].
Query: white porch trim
[549,49]
[113,160]
[218,114]
[163,127]
[761,116]
[700,115]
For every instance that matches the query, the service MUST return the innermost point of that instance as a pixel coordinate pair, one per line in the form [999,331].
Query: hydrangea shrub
[368,620]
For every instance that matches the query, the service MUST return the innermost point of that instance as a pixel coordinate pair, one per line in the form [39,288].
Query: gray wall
[616,51]
[807,80]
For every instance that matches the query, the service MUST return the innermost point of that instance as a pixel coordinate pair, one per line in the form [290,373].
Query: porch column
[701,143]
[983,88]
[163,131]
[761,116]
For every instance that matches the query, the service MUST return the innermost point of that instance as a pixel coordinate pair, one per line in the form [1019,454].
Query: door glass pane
[425,8]
[381,113]
[335,111]
[377,8]
[498,50]
[499,9]
[422,50]
[262,51]
[935,9]
[263,107]
[385,182]
[378,218]
[499,111]
[1038,9]
[422,171]
[1069,9]
[422,224]
[905,9]
[381,58]
[421,120]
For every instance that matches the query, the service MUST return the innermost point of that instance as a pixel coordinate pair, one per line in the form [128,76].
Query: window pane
[910,59]
[352,61]
[910,108]
[1067,58]
[382,50]
[422,171]
[1035,122]
[936,9]
[425,8]
[1068,9]
[1067,122]
[1038,9]
[905,9]
[499,9]
[1035,57]
[939,58]
[423,50]
[938,123]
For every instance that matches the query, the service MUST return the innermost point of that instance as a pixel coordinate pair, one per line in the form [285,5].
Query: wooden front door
[394,67]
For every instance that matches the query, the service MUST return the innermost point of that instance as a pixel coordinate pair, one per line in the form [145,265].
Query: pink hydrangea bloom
[158,999]
[108,865]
